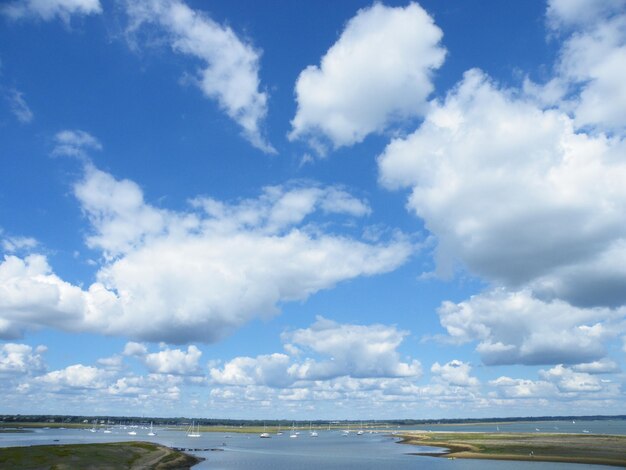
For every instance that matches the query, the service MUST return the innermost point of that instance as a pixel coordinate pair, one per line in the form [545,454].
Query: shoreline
[598,449]
[133,455]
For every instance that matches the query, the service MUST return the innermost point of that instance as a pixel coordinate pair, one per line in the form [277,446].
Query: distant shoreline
[544,447]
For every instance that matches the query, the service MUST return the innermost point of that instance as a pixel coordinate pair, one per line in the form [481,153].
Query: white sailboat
[151,433]
[264,434]
[293,434]
[311,432]
[192,431]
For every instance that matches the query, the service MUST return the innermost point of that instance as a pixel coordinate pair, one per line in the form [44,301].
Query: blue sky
[303,210]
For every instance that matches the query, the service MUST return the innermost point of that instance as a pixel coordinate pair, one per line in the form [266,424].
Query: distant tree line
[36,418]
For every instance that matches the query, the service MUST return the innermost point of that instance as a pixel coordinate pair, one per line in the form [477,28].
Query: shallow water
[331,450]
[613,426]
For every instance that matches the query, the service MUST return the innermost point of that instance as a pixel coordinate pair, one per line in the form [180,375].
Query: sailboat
[293,434]
[93,427]
[279,433]
[264,434]
[313,433]
[360,431]
[151,433]
[192,431]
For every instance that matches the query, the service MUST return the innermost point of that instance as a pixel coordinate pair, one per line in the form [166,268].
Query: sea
[331,449]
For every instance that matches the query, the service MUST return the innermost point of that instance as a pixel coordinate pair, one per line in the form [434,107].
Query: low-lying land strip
[117,455]
[572,448]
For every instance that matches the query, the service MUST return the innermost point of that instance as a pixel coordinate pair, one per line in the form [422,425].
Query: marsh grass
[119,455]
[581,448]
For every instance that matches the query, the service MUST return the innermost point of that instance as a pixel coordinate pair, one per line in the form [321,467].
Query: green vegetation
[119,455]
[573,448]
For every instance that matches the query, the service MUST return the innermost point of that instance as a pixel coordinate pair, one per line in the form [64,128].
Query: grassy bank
[571,448]
[119,455]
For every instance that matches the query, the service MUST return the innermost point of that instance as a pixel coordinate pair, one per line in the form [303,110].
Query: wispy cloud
[230,73]
[48,10]
[75,143]
[19,107]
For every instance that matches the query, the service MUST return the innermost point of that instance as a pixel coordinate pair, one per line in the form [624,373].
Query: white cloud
[174,361]
[14,244]
[456,373]
[280,207]
[21,359]
[74,376]
[231,66]
[135,349]
[354,350]
[117,212]
[501,182]
[603,366]
[379,71]
[269,370]
[577,13]
[31,295]
[557,383]
[595,61]
[47,10]
[341,350]
[515,327]
[113,363]
[191,276]
[19,107]
[75,143]
[569,381]
[523,388]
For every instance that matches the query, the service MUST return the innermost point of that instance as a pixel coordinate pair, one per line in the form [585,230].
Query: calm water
[578,426]
[331,450]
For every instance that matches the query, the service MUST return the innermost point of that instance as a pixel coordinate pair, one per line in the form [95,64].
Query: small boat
[311,432]
[151,433]
[293,434]
[192,431]
[264,434]
[132,433]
